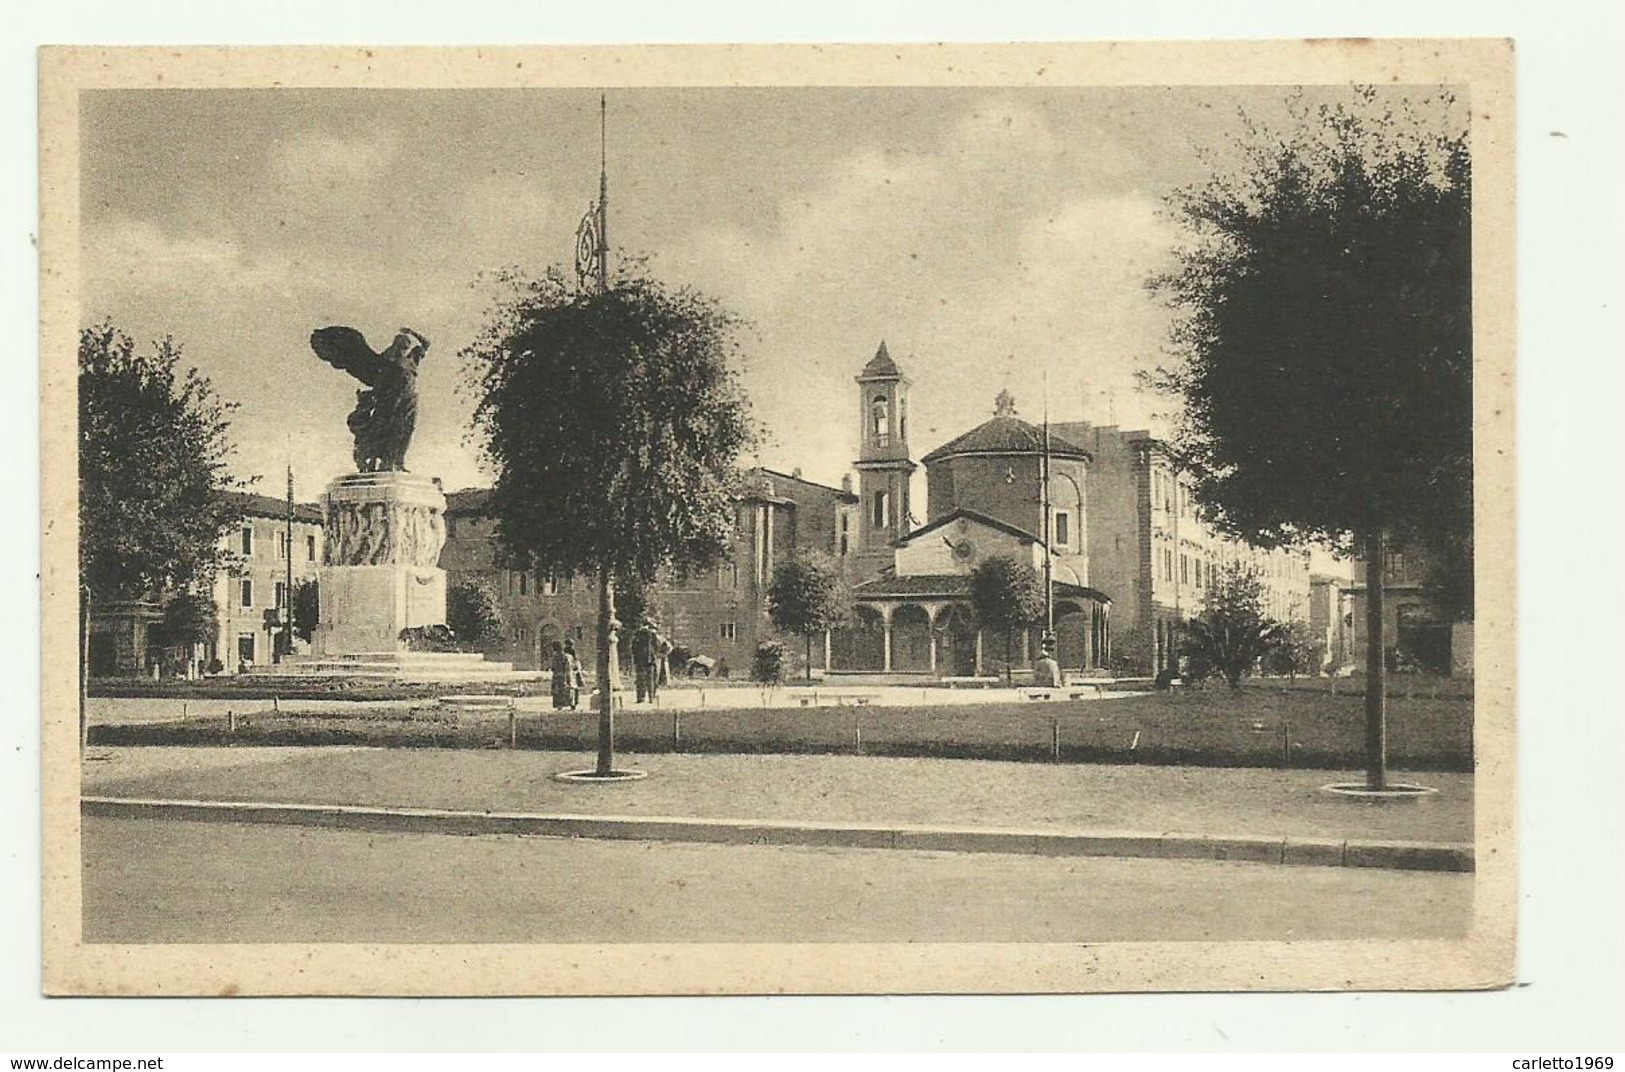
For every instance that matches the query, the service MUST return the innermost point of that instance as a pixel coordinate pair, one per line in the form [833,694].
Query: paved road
[157,881]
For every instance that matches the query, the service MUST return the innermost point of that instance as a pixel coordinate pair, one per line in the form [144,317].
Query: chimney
[846,483]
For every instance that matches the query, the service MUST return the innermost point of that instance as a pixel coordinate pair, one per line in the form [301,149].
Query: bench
[970,682]
[838,697]
[1067,692]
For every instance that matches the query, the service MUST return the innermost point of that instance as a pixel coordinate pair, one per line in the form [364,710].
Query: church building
[986,496]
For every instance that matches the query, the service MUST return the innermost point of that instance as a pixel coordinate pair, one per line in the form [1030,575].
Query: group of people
[568,678]
[651,654]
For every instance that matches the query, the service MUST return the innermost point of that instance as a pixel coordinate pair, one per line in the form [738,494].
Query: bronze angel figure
[387,411]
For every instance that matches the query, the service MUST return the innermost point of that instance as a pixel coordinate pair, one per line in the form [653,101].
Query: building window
[246,592]
[881,427]
[280,594]
[882,509]
[524,584]
[902,419]
[1184,569]
[310,548]
[1063,529]
[548,585]
[281,546]
[728,576]
[728,631]
[1395,566]
[581,632]
[248,539]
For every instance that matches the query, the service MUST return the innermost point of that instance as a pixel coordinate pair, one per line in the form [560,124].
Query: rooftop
[880,366]
[253,504]
[1007,434]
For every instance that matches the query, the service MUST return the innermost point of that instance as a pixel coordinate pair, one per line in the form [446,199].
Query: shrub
[767,666]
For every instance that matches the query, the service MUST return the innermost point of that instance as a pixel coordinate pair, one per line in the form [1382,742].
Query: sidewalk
[770,791]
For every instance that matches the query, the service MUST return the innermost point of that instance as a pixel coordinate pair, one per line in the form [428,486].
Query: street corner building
[275,547]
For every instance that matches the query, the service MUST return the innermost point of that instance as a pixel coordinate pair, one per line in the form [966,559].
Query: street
[157,881]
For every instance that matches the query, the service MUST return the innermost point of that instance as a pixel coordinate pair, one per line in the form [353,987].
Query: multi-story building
[1331,619]
[1151,552]
[249,591]
[1418,631]
[251,594]
[719,613]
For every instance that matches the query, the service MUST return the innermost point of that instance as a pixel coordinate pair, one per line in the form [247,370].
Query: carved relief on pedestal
[384,534]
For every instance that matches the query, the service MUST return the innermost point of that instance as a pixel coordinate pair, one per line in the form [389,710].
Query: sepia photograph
[779,519]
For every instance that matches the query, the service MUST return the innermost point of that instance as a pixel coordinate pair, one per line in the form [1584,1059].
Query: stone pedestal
[380,564]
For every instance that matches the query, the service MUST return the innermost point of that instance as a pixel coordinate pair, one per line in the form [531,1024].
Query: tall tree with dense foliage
[153,476]
[808,596]
[473,613]
[1006,594]
[1232,633]
[614,421]
[1324,322]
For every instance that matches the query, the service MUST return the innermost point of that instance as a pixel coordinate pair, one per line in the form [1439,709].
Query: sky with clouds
[989,237]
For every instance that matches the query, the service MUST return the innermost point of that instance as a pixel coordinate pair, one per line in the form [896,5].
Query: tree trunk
[1376,699]
[809,656]
[1009,667]
[606,694]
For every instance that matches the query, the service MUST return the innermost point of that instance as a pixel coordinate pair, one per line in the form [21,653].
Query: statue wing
[346,349]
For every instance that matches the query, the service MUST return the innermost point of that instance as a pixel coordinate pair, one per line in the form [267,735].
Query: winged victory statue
[386,411]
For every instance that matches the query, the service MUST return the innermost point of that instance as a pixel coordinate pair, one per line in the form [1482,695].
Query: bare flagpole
[607,639]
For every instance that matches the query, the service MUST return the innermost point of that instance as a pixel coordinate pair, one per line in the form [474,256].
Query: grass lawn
[1251,727]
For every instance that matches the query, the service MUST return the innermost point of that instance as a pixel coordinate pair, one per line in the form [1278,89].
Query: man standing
[1046,671]
[646,654]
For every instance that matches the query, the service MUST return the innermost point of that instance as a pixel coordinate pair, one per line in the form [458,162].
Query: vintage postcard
[843,519]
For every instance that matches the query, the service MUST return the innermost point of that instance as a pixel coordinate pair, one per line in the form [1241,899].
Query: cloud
[980,262]
[125,255]
[321,168]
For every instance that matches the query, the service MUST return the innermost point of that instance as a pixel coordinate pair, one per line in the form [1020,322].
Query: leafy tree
[306,609]
[153,478]
[1296,651]
[809,595]
[189,619]
[614,420]
[473,612]
[1006,594]
[1232,633]
[1324,322]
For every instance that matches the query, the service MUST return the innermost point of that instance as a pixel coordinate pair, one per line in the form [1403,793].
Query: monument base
[365,608]
[380,576]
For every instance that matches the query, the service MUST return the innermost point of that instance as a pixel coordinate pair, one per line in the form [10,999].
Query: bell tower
[883,463]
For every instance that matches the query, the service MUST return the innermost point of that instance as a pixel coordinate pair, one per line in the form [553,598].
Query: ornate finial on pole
[603,193]
[1005,404]
[592,236]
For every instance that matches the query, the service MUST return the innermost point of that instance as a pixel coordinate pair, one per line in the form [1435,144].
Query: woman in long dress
[559,663]
[578,678]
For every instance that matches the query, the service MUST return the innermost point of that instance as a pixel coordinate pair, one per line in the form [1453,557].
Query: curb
[1324,852]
